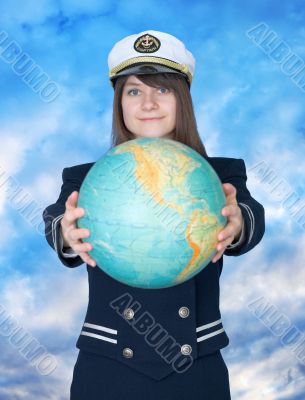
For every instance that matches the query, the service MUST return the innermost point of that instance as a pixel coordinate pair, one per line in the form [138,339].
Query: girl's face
[148,111]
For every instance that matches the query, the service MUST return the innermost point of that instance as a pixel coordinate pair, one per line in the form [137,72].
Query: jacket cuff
[241,239]
[243,244]
[69,252]
[69,259]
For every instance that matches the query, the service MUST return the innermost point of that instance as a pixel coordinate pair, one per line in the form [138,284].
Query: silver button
[184,312]
[186,349]
[127,353]
[128,313]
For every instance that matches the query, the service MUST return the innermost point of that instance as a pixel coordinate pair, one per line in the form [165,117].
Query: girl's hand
[233,228]
[71,234]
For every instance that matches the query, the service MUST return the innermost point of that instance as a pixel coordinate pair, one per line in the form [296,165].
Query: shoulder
[225,162]
[77,172]
[225,166]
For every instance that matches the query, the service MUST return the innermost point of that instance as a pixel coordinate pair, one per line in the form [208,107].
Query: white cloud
[50,302]
[39,130]
[37,145]
[276,278]
[270,377]
[55,386]
[207,116]
[264,372]
[18,138]
[14,392]
[45,187]
[12,150]
[23,134]
[9,228]
[278,187]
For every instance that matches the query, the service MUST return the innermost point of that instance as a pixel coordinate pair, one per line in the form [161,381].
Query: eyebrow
[132,84]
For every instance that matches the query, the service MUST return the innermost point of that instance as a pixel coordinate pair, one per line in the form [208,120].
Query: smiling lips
[150,119]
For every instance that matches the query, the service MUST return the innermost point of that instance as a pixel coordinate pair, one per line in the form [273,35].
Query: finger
[229,210]
[221,246]
[217,256]
[229,230]
[71,233]
[79,233]
[72,200]
[87,259]
[229,188]
[72,214]
[230,191]
[80,247]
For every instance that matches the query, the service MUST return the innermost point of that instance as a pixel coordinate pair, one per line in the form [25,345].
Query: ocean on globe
[153,208]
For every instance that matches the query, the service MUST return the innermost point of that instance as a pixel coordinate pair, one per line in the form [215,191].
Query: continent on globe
[153,208]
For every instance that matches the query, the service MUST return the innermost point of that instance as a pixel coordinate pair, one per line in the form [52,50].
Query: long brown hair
[186,128]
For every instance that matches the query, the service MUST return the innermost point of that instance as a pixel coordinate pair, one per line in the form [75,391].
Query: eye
[133,92]
[163,90]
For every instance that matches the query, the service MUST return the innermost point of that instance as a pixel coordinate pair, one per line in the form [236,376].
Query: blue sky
[246,107]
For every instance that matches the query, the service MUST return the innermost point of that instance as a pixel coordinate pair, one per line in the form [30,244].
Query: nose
[149,101]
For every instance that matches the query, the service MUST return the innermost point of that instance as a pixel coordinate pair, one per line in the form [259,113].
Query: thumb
[229,190]
[72,200]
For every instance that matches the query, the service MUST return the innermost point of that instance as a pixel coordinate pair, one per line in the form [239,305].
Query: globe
[153,208]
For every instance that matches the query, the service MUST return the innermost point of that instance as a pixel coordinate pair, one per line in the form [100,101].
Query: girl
[161,343]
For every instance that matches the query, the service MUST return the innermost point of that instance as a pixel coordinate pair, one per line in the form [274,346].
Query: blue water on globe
[153,208]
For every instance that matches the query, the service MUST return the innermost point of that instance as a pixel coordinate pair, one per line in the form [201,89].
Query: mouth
[150,119]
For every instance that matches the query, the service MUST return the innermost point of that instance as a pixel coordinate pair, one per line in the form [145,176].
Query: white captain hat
[150,52]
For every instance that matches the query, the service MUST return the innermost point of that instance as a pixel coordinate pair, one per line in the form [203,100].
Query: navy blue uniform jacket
[156,331]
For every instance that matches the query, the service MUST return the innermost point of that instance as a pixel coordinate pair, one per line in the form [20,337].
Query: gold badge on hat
[147,44]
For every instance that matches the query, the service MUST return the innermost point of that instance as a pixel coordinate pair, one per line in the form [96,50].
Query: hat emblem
[147,44]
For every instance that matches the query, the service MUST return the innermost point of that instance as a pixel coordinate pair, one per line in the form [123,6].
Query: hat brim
[145,69]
